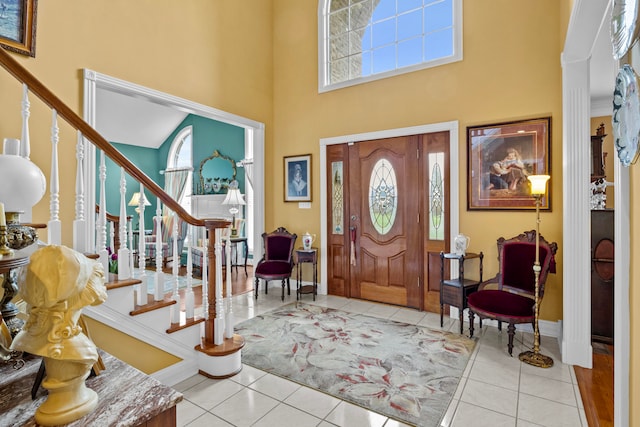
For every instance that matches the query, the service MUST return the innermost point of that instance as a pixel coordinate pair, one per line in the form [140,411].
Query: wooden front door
[379,243]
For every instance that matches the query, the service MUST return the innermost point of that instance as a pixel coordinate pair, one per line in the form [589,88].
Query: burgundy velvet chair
[510,296]
[277,262]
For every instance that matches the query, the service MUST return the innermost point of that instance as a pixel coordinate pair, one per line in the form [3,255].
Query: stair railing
[214,329]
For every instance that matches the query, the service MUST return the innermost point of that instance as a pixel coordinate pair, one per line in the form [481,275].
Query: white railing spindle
[175,308]
[158,293]
[143,286]
[79,223]
[229,321]
[123,251]
[189,297]
[25,142]
[102,218]
[54,228]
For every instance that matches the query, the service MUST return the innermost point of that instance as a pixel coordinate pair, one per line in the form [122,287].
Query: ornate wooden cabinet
[602,280]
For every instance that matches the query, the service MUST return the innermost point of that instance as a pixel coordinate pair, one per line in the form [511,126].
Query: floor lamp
[535,358]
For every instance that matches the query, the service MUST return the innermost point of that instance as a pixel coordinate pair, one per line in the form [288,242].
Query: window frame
[323,49]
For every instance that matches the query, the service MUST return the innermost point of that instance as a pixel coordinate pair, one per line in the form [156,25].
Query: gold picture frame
[500,157]
[18,26]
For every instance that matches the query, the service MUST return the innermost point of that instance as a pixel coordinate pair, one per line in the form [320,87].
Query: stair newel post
[189,297]
[54,227]
[123,251]
[143,288]
[219,301]
[102,218]
[229,321]
[175,265]
[158,294]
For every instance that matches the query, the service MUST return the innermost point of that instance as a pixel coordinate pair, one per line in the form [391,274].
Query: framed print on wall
[18,26]
[500,157]
[297,178]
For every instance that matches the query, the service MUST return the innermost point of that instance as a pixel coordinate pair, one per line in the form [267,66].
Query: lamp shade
[135,200]
[22,183]
[234,196]
[538,184]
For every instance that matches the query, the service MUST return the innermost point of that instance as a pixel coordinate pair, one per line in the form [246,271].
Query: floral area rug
[403,371]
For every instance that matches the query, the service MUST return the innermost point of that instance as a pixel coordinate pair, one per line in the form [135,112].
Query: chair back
[517,256]
[278,245]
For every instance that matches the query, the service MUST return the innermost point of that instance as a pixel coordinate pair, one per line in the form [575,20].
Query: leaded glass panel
[436,196]
[337,197]
[383,199]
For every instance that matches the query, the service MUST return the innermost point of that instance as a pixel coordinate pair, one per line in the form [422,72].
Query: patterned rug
[403,371]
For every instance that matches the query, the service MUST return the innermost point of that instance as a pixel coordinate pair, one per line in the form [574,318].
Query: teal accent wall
[147,160]
[208,136]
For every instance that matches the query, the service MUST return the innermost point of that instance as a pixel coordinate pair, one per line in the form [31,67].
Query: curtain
[175,183]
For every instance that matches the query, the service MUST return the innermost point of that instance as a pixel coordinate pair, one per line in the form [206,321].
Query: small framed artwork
[297,178]
[18,26]
[500,157]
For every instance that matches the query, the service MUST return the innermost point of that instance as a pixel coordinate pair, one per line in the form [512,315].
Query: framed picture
[297,178]
[18,26]
[500,157]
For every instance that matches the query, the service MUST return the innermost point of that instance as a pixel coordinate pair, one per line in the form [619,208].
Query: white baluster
[123,251]
[143,288]
[218,322]
[130,236]
[54,229]
[159,284]
[25,144]
[79,223]
[175,308]
[102,218]
[189,297]
[229,322]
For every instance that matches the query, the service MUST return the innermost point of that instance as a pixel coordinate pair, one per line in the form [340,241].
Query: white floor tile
[248,375]
[274,386]
[245,408]
[557,391]
[210,393]
[209,420]
[189,382]
[469,415]
[491,397]
[187,412]
[496,373]
[314,402]
[546,412]
[286,416]
[348,415]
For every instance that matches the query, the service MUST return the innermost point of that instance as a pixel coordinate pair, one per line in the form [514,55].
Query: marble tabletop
[127,397]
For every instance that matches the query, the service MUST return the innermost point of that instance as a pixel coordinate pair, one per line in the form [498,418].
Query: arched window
[365,40]
[181,157]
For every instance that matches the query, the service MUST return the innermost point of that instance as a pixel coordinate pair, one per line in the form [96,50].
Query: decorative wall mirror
[216,172]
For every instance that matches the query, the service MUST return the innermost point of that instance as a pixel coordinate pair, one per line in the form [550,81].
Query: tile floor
[495,390]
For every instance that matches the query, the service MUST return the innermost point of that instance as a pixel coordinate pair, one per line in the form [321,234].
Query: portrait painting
[18,26]
[501,157]
[297,178]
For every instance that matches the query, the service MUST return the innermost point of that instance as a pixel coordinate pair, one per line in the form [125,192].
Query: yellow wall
[501,78]
[192,49]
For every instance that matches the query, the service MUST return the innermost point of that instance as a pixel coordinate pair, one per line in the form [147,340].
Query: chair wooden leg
[288,287]
[511,329]
[283,283]
[500,326]
[257,285]
[471,323]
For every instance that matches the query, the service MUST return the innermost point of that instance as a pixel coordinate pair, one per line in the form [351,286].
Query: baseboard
[547,328]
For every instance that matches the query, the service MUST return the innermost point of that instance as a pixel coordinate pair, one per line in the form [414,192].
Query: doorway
[397,211]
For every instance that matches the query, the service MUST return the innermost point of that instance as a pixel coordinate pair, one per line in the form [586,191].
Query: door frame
[454,184]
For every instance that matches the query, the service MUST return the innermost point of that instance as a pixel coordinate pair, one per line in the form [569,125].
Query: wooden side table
[454,291]
[303,256]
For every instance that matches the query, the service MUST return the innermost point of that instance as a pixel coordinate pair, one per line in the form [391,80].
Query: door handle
[352,231]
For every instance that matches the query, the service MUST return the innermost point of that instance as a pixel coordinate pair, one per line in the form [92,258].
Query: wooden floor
[596,386]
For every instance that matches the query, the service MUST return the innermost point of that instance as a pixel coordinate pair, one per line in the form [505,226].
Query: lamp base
[234,232]
[536,359]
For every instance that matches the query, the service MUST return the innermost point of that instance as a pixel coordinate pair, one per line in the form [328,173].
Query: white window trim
[323,34]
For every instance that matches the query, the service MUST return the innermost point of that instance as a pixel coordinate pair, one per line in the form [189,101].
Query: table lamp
[234,198]
[135,201]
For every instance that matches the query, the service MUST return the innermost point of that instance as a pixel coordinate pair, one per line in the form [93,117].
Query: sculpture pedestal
[69,398]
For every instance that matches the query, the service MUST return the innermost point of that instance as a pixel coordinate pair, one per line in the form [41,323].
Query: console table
[127,397]
[454,291]
[311,257]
